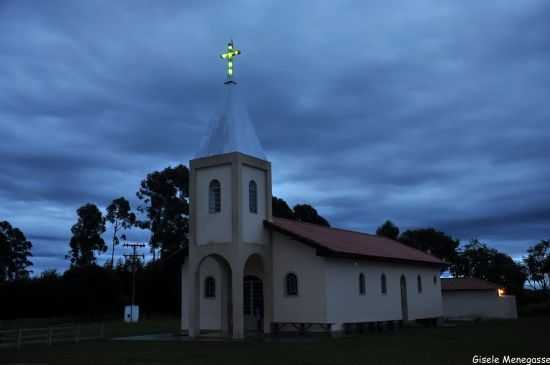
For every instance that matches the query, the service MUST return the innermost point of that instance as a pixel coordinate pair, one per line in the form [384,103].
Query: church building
[247,272]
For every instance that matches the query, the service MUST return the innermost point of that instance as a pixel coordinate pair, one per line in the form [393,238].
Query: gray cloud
[428,113]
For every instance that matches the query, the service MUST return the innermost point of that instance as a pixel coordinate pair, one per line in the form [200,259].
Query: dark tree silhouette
[537,264]
[120,215]
[281,209]
[434,241]
[15,251]
[164,195]
[477,260]
[87,236]
[306,213]
[388,229]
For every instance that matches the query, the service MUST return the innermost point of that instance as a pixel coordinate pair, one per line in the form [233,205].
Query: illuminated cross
[231,52]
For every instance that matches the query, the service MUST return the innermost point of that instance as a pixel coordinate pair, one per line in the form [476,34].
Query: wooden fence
[50,335]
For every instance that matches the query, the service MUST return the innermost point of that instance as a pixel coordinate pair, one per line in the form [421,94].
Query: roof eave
[327,252]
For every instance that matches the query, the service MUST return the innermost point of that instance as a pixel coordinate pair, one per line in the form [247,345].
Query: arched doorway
[253,294]
[404,306]
[253,303]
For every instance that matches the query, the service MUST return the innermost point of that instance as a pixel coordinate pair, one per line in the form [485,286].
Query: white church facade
[246,271]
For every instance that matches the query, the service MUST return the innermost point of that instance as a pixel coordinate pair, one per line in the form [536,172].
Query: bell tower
[230,198]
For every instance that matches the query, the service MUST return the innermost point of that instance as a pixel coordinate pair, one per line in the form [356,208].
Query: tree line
[475,258]
[89,289]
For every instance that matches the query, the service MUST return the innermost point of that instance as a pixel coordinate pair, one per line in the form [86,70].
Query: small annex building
[471,298]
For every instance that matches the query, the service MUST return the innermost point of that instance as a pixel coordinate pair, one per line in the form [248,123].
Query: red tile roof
[449,284]
[344,243]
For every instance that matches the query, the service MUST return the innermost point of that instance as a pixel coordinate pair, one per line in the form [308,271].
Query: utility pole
[134,259]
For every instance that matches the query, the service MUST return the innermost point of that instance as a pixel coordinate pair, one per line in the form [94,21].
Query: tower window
[362,285]
[214,197]
[419,283]
[383,284]
[435,280]
[252,197]
[209,287]
[291,282]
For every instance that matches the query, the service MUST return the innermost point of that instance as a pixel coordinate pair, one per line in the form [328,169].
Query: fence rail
[51,335]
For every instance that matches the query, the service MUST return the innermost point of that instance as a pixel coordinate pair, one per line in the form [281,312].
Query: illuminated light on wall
[501,292]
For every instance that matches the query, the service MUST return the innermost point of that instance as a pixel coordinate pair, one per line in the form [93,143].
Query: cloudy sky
[428,113]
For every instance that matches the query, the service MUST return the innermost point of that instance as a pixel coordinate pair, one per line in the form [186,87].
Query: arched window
[419,283]
[362,285]
[209,287]
[252,197]
[214,197]
[383,286]
[291,282]
[435,280]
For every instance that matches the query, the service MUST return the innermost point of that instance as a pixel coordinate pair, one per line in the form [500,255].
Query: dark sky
[428,113]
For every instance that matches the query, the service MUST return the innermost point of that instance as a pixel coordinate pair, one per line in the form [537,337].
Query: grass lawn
[527,337]
[144,327]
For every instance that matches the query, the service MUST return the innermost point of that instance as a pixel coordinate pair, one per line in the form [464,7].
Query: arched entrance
[253,303]
[404,306]
[253,294]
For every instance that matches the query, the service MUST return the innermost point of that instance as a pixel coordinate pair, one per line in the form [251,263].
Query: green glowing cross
[231,52]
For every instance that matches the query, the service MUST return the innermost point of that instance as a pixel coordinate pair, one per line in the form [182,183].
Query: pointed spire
[232,130]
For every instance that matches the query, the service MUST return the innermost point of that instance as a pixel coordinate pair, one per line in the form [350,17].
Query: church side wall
[205,220]
[346,305]
[253,230]
[308,306]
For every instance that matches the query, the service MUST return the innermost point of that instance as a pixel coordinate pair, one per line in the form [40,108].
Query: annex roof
[451,284]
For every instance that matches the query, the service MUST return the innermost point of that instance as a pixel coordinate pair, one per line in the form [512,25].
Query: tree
[15,251]
[120,215]
[281,209]
[165,195]
[432,240]
[537,264]
[87,236]
[301,212]
[306,213]
[388,229]
[478,260]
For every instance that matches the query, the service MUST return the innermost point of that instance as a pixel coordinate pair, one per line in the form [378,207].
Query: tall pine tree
[119,214]
[86,237]
[165,202]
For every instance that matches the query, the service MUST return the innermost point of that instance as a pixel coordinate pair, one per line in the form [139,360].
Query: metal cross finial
[231,52]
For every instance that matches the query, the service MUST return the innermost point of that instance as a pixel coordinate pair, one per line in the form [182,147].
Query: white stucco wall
[253,229]
[205,220]
[345,305]
[295,257]
[478,304]
[210,308]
